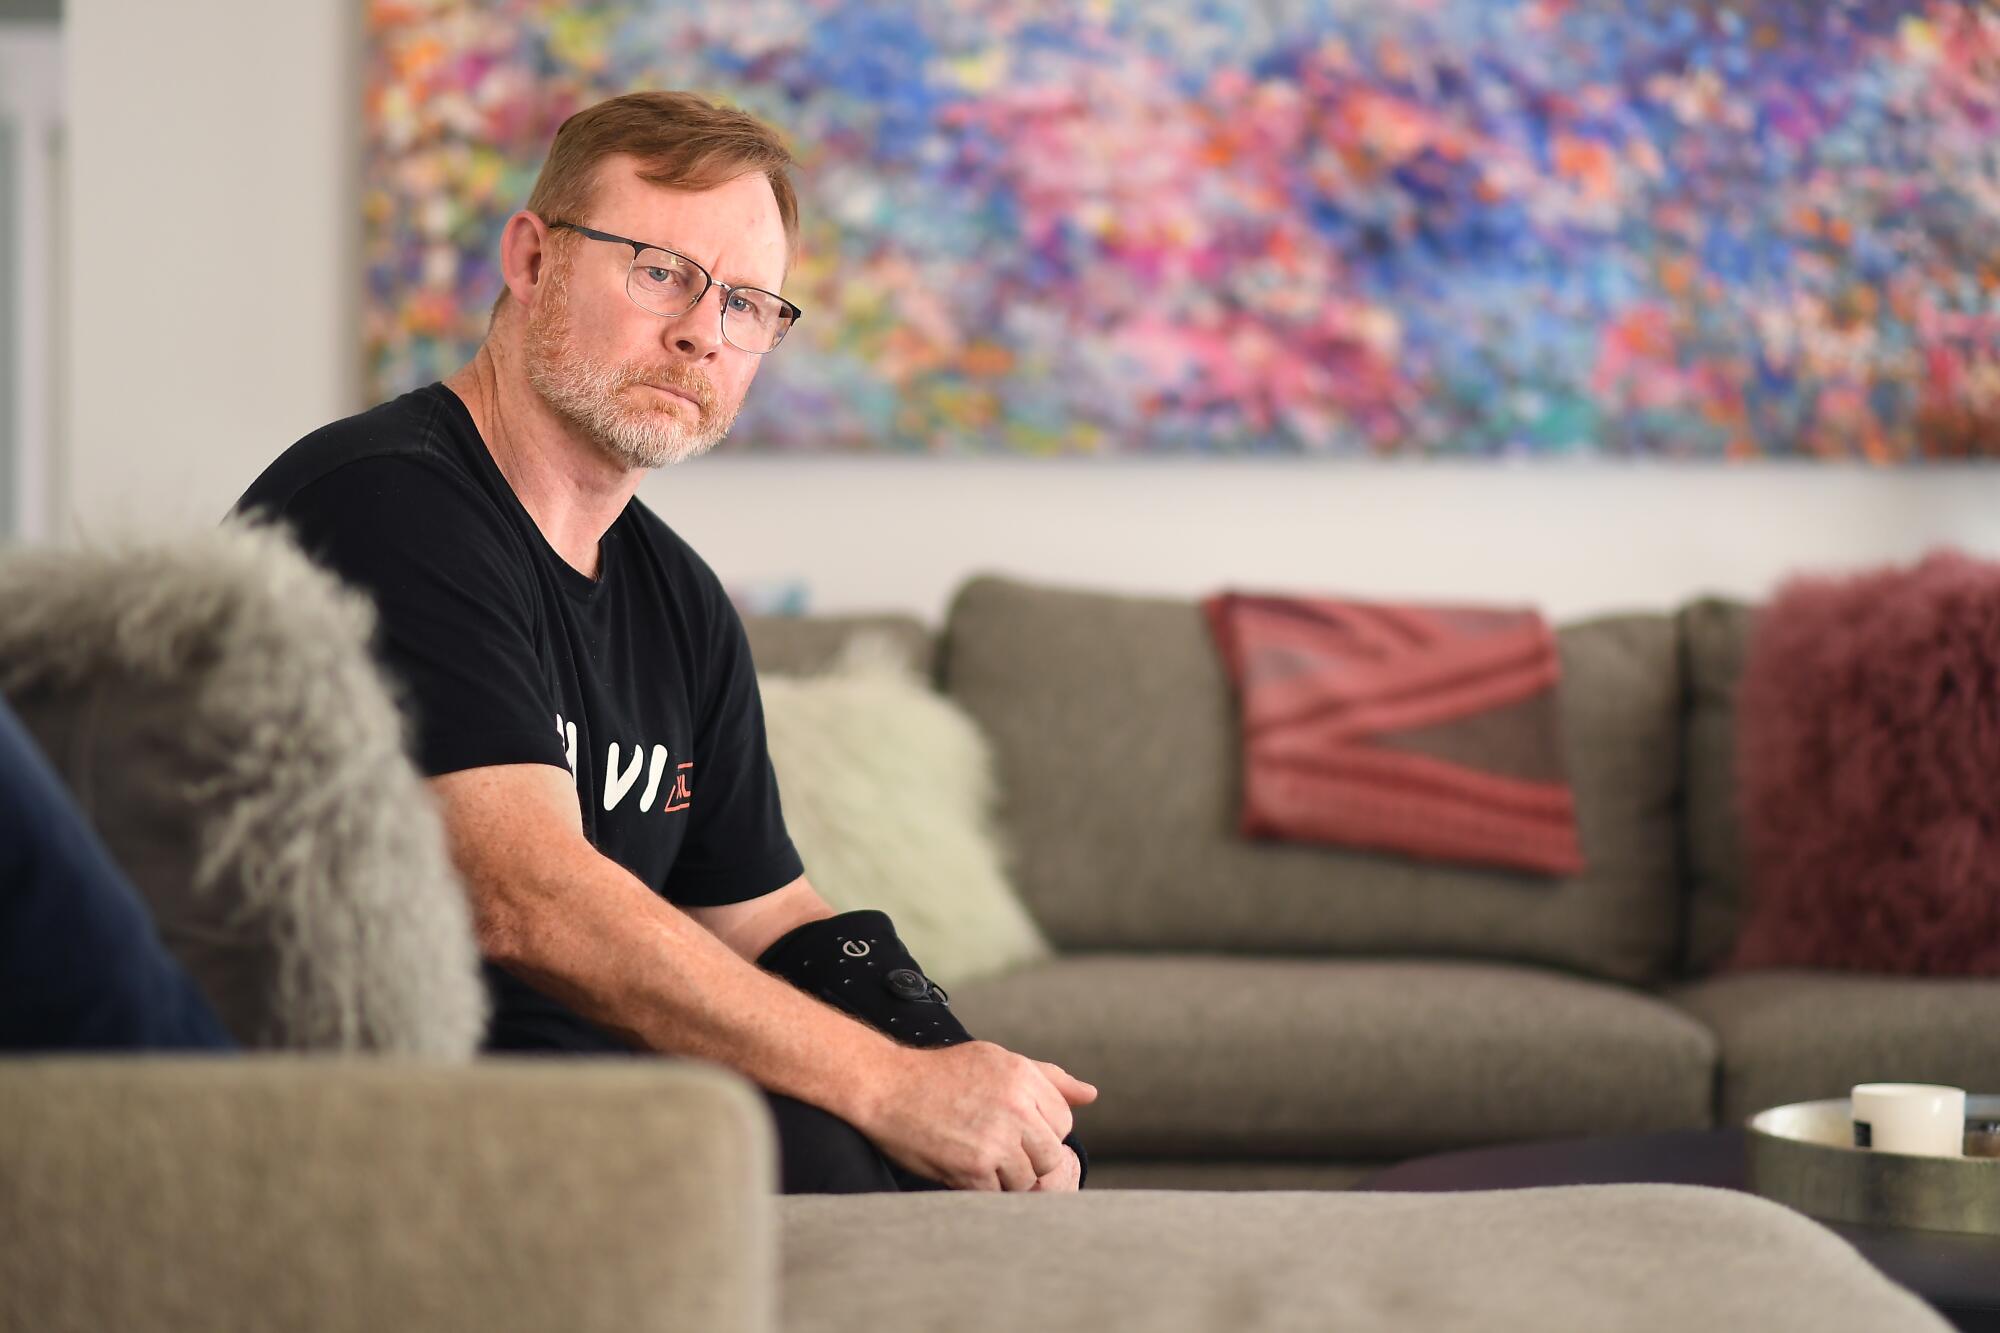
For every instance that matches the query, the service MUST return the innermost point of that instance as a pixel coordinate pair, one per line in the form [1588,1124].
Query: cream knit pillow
[888,793]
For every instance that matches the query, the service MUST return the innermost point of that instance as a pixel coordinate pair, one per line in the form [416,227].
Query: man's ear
[524,245]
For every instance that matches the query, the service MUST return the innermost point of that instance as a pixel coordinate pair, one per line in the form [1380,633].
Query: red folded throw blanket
[1423,729]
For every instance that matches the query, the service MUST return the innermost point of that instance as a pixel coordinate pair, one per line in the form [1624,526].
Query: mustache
[681,379]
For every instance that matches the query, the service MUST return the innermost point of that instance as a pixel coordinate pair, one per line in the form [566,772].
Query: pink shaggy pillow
[1868,772]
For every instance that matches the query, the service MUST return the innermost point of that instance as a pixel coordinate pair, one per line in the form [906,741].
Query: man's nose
[697,332]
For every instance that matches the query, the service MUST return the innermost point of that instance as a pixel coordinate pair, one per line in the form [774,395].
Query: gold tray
[1803,1156]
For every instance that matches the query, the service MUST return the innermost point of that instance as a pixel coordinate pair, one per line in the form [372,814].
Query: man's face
[650,391]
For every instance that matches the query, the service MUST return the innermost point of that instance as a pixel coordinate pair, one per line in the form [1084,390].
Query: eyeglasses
[665,283]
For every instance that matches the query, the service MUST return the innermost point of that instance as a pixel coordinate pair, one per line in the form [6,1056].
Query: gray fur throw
[213,706]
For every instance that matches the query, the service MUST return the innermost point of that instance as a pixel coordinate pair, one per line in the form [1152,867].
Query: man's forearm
[619,955]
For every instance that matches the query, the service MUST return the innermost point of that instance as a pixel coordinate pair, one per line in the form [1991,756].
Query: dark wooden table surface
[1957,1272]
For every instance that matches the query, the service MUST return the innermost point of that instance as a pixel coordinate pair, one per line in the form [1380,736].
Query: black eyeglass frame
[708,280]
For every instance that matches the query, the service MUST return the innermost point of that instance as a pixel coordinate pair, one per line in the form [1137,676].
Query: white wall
[190,367]
[1574,538]
[31,105]
[212,269]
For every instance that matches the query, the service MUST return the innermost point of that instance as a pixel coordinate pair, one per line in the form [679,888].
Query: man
[583,694]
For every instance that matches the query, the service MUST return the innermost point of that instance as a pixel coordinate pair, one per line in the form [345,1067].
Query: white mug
[1926,1119]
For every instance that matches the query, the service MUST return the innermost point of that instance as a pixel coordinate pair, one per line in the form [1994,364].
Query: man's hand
[976,1116]
[1065,1177]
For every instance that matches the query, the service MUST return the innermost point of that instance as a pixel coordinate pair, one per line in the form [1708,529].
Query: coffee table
[1958,1273]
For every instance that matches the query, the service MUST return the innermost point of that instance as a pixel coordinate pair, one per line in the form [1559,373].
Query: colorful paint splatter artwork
[1421,228]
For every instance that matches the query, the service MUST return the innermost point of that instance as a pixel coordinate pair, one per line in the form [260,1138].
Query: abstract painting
[1402,228]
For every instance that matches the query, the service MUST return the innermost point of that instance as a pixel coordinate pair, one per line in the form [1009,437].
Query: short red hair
[681,140]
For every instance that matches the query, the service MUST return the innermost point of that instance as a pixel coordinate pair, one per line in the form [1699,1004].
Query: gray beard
[586,396]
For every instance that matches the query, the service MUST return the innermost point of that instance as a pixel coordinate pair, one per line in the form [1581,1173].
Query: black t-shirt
[639,682]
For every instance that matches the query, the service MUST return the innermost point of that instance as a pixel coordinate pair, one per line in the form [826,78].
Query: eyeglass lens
[666,284]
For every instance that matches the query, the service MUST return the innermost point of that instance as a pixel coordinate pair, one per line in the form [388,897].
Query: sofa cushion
[1114,730]
[212,705]
[1202,1054]
[322,1194]
[1794,1036]
[1640,1258]
[1714,637]
[807,645]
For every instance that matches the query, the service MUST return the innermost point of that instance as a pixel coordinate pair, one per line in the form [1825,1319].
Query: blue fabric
[81,965]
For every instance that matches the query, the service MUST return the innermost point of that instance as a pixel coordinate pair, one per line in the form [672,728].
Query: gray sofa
[1281,1016]
[1253,1016]
[341,1195]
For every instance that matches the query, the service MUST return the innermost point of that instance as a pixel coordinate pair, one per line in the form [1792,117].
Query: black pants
[819,1153]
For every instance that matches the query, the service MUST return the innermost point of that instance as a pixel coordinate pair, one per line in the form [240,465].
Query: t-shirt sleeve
[454,623]
[737,846]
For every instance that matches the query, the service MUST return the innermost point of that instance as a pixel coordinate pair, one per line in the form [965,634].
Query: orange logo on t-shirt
[680,792]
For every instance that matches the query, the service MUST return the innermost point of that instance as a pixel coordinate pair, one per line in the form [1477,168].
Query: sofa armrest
[344,1193]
